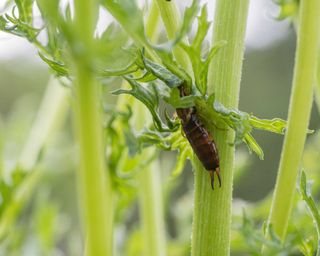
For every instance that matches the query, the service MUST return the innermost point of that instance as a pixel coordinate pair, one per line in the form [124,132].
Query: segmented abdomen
[202,143]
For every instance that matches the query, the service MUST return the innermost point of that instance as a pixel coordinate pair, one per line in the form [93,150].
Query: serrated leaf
[57,66]
[203,27]
[162,73]
[180,102]
[149,96]
[188,18]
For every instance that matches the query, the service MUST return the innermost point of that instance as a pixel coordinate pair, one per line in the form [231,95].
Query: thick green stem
[299,114]
[212,213]
[95,192]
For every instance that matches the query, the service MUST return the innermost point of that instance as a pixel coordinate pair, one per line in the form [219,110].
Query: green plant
[118,146]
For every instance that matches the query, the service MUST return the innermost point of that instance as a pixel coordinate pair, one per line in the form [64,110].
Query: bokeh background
[265,90]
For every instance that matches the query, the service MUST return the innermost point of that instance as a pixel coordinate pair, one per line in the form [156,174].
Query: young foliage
[207,107]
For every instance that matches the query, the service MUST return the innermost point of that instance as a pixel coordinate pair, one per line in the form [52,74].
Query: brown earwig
[200,140]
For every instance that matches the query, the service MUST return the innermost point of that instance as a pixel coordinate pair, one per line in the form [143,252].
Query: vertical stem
[299,114]
[95,192]
[171,19]
[212,213]
[52,111]
[150,189]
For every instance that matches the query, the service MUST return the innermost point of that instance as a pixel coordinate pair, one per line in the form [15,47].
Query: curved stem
[299,114]
[212,213]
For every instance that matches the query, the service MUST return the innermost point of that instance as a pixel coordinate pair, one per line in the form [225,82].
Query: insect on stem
[200,139]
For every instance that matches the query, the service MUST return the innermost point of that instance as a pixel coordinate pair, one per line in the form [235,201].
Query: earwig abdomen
[202,144]
[199,139]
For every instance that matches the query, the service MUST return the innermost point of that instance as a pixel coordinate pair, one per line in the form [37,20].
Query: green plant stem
[52,112]
[317,84]
[151,207]
[150,189]
[95,191]
[212,209]
[151,194]
[172,21]
[299,114]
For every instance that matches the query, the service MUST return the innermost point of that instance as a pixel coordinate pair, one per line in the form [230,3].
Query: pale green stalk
[171,18]
[317,84]
[95,191]
[149,180]
[150,185]
[299,114]
[212,209]
[52,112]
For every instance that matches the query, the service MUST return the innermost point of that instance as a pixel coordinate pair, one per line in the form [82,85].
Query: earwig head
[217,171]
[184,114]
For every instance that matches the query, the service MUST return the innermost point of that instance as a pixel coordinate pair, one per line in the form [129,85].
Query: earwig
[200,140]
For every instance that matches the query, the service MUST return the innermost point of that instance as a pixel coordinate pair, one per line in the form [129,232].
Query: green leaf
[182,157]
[57,66]
[241,122]
[12,25]
[188,19]
[162,73]
[180,102]
[203,27]
[253,145]
[130,17]
[275,125]
[305,192]
[149,95]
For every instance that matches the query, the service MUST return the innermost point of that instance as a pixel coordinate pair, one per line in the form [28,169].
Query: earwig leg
[212,179]
[217,170]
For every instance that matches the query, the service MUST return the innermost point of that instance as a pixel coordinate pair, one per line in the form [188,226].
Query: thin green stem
[151,207]
[212,213]
[52,112]
[299,114]
[150,190]
[171,18]
[95,191]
